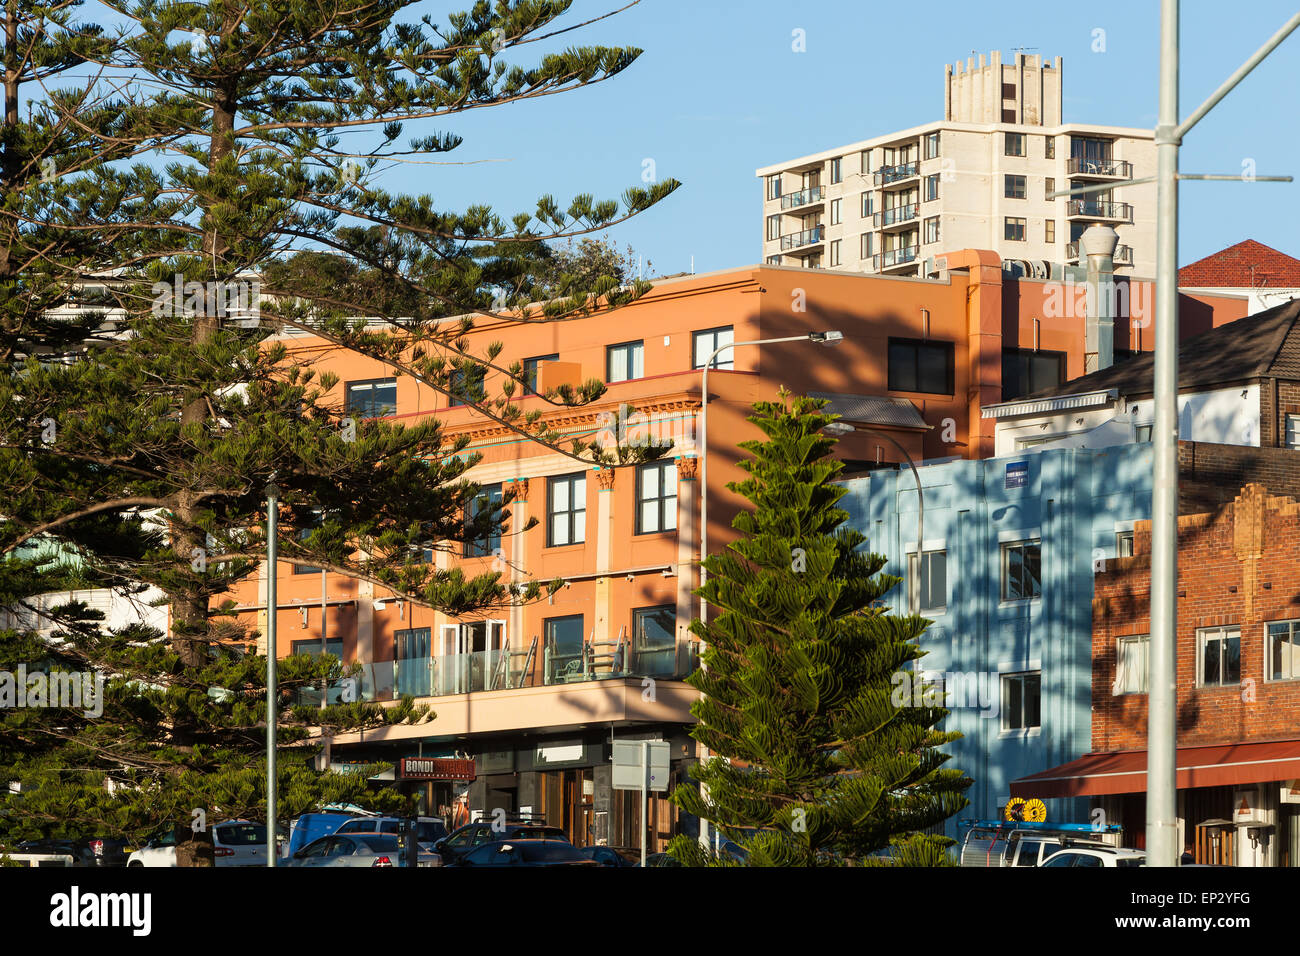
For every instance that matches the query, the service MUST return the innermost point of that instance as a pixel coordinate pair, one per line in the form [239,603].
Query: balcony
[1080,168]
[505,670]
[891,175]
[897,216]
[1123,254]
[1099,210]
[804,197]
[798,240]
[893,258]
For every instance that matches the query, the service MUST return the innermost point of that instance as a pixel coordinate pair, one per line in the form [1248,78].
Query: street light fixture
[845,428]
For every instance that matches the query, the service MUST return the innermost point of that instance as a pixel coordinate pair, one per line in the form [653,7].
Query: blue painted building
[1005,574]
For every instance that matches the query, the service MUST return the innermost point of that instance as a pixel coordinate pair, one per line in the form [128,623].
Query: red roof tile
[1247,265]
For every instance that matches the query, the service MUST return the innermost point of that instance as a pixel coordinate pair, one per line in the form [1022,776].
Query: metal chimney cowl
[1097,245]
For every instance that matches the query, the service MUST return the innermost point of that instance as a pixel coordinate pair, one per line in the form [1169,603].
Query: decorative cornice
[688,469]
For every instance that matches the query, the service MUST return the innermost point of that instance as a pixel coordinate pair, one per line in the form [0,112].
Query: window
[1219,650]
[413,645]
[488,499]
[1293,431]
[774,186]
[1020,700]
[656,497]
[465,386]
[1008,91]
[305,533]
[710,339]
[835,212]
[773,260]
[1049,230]
[1013,187]
[835,252]
[564,638]
[531,366]
[1021,570]
[1049,187]
[1132,664]
[1025,372]
[917,366]
[774,227]
[333,646]
[566,510]
[625,361]
[867,204]
[864,158]
[655,648]
[1014,144]
[1144,433]
[931,145]
[931,229]
[1284,650]
[373,399]
[864,246]
[835,171]
[927,581]
[1014,229]
[931,187]
[1049,147]
[1124,544]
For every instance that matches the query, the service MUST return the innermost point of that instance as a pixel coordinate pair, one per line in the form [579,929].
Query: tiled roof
[872,409]
[1247,265]
[1258,346]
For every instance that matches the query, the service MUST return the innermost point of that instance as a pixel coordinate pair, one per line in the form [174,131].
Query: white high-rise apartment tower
[978,179]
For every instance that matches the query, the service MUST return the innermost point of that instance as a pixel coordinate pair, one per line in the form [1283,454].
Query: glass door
[411,651]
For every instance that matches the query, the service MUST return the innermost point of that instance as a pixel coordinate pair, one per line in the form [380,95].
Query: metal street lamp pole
[1162,741]
[844,428]
[822,338]
[272,556]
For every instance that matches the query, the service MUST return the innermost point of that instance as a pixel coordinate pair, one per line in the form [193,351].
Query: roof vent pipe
[1097,244]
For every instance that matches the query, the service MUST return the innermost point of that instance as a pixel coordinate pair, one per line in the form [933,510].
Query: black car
[465,839]
[525,853]
[612,855]
[109,851]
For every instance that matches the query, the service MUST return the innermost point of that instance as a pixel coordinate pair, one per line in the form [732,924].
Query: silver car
[357,849]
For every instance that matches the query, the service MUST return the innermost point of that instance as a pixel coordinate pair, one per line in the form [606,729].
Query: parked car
[358,849]
[1020,843]
[612,855]
[234,843]
[78,850]
[428,830]
[1096,856]
[661,859]
[310,827]
[109,851]
[544,852]
[472,835]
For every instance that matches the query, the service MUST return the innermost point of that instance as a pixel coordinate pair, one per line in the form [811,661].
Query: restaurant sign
[434,768]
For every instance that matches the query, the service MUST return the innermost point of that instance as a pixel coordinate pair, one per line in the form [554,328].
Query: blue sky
[719,92]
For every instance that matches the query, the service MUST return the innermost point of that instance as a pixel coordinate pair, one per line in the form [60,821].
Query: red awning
[1126,771]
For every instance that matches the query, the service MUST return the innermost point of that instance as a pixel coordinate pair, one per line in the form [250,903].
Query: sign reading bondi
[68,690]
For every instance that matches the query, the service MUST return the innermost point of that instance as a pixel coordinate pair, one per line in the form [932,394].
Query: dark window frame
[484,547]
[1034,581]
[895,384]
[1020,721]
[572,478]
[369,407]
[662,500]
[530,370]
[630,347]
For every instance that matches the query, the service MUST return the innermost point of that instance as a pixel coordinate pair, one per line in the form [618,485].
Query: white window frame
[1294,635]
[1221,633]
[1003,711]
[914,579]
[1143,669]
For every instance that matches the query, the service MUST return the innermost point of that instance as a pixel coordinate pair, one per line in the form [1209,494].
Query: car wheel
[135,863]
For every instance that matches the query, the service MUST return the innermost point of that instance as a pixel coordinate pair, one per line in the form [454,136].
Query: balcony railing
[1123,254]
[806,238]
[1101,168]
[500,670]
[892,174]
[894,257]
[891,217]
[803,197]
[1097,209]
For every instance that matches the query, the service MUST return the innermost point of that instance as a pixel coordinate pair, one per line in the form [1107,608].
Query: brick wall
[1210,475]
[1238,567]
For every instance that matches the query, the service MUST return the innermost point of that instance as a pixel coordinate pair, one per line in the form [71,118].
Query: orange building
[536,694]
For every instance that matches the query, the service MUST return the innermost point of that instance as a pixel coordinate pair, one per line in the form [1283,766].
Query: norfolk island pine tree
[187,416]
[811,760]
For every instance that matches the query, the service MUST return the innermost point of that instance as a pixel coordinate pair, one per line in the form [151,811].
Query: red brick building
[1238,686]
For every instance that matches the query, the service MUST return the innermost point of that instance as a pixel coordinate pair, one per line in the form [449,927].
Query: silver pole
[1162,804]
[324,613]
[272,524]
[645,796]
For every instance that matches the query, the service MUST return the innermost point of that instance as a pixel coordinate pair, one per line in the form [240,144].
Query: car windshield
[378,843]
[429,830]
[241,834]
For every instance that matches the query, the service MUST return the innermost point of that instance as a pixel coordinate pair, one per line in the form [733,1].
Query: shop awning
[1126,771]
